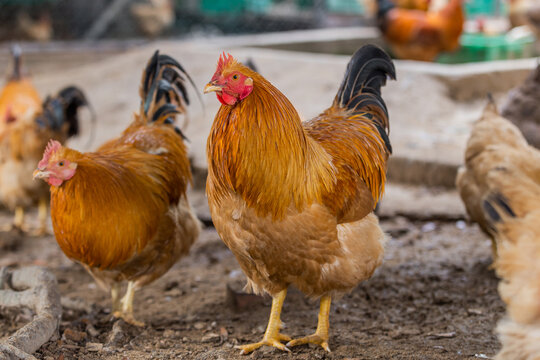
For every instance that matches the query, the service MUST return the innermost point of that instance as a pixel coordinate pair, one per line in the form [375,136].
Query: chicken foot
[125,305]
[321,334]
[42,216]
[272,336]
[18,221]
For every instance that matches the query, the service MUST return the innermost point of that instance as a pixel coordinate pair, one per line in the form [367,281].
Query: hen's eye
[235,77]
[61,163]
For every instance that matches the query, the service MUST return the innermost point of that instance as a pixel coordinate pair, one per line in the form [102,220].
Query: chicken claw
[129,318]
[311,339]
[321,334]
[272,336]
[275,342]
[123,308]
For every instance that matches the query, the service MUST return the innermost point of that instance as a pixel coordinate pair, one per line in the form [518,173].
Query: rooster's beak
[40,174]
[212,87]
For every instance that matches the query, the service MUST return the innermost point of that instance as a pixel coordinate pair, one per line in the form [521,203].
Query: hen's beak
[210,87]
[41,174]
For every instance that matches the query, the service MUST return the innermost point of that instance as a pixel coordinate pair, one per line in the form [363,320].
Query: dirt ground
[433,298]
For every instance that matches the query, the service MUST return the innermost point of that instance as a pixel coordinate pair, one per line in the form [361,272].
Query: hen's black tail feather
[163,91]
[63,109]
[360,90]
[496,208]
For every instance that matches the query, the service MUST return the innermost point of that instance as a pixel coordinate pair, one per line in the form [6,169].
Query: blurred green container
[222,6]
[481,47]
[234,6]
[304,4]
[474,8]
[345,6]
[258,6]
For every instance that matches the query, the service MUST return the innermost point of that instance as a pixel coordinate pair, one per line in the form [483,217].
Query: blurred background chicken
[525,12]
[512,210]
[122,211]
[420,35]
[413,4]
[154,16]
[522,107]
[26,125]
[311,223]
[39,28]
[494,141]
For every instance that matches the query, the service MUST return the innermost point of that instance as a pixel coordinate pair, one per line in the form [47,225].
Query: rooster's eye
[235,77]
[61,163]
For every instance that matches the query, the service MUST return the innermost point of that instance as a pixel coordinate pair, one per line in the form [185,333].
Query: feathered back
[360,90]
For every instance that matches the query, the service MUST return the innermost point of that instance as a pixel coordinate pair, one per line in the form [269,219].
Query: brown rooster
[26,125]
[512,209]
[294,201]
[420,35]
[122,211]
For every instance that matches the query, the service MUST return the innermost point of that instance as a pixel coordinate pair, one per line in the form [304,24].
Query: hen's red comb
[52,147]
[224,61]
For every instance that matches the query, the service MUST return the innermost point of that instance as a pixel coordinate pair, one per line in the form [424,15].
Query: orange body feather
[120,196]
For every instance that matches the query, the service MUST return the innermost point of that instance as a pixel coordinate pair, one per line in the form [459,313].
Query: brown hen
[122,211]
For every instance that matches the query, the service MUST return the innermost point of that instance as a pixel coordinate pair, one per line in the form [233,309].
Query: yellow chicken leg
[18,221]
[272,336]
[321,334]
[116,304]
[42,216]
[126,311]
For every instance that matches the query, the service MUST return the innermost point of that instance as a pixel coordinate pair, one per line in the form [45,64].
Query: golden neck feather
[259,150]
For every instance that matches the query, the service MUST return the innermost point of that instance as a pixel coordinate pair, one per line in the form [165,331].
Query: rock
[94,347]
[117,334]
[223,334]
[199,325]
[210,337]
[73,335]
[90,329]
[169,334]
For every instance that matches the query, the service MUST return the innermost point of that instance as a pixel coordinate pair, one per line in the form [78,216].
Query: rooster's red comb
[224,61]
[52,147]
